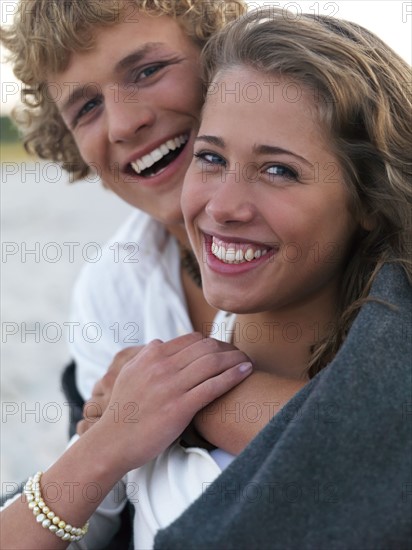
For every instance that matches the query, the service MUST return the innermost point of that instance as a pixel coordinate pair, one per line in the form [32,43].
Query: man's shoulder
[128,256]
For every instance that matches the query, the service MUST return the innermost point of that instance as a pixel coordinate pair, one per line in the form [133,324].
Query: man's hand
[102,391]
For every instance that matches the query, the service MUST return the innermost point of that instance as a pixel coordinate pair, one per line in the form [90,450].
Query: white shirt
[131,296]
[141,299]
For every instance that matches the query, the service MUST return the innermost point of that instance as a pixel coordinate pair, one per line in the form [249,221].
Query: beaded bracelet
[48,519]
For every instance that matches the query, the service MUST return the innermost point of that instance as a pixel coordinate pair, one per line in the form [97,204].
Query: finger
[214,387]
[181,342]
[98,404]
[82,427]
[157,351]
[124,356]
[105,385]
[208,366]
[187,351]
[92,410]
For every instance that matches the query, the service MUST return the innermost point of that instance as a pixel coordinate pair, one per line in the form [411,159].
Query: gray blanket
[333,470]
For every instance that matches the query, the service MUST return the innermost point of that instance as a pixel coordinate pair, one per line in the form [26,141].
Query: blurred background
[40,212]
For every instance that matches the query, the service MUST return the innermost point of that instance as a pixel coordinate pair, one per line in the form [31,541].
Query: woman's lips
[228,257]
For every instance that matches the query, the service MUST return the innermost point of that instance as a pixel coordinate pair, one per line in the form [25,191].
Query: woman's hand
[159,390]
[102,391]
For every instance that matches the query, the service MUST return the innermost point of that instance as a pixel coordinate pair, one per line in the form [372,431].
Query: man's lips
[156,155]
[146,158]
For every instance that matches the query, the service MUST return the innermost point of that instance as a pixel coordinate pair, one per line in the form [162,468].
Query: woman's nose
[231,201]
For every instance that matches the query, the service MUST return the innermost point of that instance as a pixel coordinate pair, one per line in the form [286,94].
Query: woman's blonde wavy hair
[363,99]
[45,33]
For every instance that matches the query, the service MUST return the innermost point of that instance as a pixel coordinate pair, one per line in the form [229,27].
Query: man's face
[132,104]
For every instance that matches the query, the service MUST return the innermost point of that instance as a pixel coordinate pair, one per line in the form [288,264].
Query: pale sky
[391,20]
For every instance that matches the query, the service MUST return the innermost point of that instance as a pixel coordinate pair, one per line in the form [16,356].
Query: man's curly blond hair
[45,33]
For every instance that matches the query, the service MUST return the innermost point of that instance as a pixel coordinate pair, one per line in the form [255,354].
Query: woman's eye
[210,158]
[279,170]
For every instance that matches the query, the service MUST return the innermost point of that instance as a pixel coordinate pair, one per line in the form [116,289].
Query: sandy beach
[49,230]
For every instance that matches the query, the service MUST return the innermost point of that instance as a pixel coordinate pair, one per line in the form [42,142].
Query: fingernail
[245,367]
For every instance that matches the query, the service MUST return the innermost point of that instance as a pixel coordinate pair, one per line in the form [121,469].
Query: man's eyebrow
[78,93]
[257,149]
[134,57]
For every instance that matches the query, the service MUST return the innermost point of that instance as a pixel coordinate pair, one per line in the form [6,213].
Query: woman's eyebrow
[257,149]
[273,150]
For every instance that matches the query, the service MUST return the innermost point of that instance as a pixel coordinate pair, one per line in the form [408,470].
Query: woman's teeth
[230,254]
[157,154]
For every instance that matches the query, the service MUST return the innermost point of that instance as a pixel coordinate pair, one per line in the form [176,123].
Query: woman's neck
[200,312]
[281,342]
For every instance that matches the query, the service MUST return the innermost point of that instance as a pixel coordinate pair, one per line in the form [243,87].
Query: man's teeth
[234,255]
[154,156]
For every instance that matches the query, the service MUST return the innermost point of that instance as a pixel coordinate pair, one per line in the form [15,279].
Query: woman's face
[132,104]
[264,200]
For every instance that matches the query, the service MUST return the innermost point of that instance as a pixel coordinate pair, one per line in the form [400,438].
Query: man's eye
[87,108]
[148,71]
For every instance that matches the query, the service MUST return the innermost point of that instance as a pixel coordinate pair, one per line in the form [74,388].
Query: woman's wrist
[75,485]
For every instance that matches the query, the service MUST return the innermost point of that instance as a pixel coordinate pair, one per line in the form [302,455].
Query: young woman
[298,207]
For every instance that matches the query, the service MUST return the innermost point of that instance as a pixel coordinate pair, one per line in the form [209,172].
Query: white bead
[46,517]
